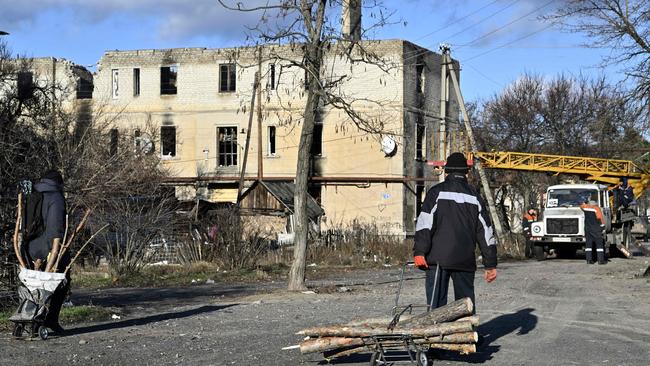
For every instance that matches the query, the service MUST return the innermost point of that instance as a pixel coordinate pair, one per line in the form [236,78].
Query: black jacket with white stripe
[452,221]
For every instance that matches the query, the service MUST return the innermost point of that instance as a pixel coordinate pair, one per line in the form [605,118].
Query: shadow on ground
[146,320]
[523,321]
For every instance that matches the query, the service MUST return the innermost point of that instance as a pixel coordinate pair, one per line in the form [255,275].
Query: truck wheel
[539,252]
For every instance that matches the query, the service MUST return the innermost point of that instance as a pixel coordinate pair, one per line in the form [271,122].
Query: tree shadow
[146,320]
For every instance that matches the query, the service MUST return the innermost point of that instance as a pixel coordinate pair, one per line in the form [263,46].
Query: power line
[484,19]
[507,44]
[508,24]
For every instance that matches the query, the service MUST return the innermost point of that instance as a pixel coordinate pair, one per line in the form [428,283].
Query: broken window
[420,142]
[115,83]
[227,146]
[272,76]
[419,78]
[84,88]
[136,82]
[271,144]
[25,84]
[317,142]
[227,78]
[168,76]
[306,79]
[168,141]
[114,140]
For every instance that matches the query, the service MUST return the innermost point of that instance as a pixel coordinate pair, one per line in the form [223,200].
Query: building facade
[195,106]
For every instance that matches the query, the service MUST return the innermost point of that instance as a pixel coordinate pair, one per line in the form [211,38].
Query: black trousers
[595,243]
[463,282]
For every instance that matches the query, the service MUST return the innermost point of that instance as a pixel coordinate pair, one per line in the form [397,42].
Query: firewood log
[329,343]
[450,312]
[361,331]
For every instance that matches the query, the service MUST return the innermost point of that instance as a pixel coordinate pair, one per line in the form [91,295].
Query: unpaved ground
[558,312]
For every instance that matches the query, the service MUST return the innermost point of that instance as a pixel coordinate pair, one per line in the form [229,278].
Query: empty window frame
[271,141]
[317,142]
[168,77]
[419,78]
[84,88]
[227,146]
[25,85]
[114,141]
[307,79]
[420,141]
[227,77]
[115,83]
[136,82]
[272,76]
[419,193]
[168,141]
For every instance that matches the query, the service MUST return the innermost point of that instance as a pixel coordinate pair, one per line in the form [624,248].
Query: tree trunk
[360,331]
[297,272]
[327,344]
[447,313]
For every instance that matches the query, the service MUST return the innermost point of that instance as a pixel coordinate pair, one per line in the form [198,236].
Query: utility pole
[470,136]
[248,138]
[260,162]
[444,88]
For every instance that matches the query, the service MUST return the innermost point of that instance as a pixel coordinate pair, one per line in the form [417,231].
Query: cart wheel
[18,330]
[422,358]
[375,359]
[42,332]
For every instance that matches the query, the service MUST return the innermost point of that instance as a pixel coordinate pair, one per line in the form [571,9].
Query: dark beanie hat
[54,176]
[456,162]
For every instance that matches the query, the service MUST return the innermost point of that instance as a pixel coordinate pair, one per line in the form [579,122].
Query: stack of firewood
[451,327]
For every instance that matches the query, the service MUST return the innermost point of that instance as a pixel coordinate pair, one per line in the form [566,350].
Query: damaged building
[197,101]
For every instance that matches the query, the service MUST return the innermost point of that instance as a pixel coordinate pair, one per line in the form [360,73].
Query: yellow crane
[608,171]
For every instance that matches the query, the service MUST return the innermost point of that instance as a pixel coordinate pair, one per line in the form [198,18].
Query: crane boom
[600,170]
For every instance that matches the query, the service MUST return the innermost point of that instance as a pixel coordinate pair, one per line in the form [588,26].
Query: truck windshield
[570,197]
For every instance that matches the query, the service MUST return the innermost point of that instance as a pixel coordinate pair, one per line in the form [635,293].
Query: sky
[496,41]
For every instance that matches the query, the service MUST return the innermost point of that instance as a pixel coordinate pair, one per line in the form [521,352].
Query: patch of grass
[69,315]
[82,279]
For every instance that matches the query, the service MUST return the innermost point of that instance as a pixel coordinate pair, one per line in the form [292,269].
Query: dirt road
[558,312]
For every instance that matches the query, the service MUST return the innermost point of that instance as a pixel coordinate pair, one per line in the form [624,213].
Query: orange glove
[420,262]
[490,275]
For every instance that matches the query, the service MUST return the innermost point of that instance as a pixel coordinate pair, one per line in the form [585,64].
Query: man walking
[452,221]
[594,225]
[529,217]
[45,248]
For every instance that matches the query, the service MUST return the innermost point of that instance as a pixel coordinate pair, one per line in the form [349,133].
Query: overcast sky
[496,41]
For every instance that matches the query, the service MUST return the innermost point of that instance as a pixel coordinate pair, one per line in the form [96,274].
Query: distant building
[198,100]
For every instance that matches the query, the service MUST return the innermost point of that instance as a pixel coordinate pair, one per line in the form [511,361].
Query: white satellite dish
[388,146]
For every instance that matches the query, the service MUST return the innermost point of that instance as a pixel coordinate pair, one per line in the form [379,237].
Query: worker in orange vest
[529,217]
[594,225]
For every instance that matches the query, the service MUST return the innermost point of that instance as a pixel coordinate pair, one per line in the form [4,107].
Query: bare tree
[619,24]
[312,29]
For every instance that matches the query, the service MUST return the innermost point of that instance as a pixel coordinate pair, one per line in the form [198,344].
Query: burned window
[114,141]
[307,79]
[272,76]
[227,146]
[419,193]
[115,82]
[420,142]
[271,142]
[136,82]
[227,78]
[168,76]
[317,142]
[84,88]
[419,78]
[25,85]
[168,141]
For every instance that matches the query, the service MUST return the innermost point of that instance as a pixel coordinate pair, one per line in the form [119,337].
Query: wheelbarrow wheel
[422,358]
[42,332]
[18,330]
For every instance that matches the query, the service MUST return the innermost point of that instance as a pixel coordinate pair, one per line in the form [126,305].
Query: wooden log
[468,337]
[346,352]
[361,331]
[17,234]
[474,319]
[328,343]
[375,322]
[450,312]
[624,250]
[464,349]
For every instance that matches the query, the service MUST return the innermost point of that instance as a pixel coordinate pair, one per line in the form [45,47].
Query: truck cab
[562,225]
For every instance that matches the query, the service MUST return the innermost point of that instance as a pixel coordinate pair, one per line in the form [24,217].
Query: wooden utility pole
[470,136]
[260,162]
[444,80]
[248,138]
